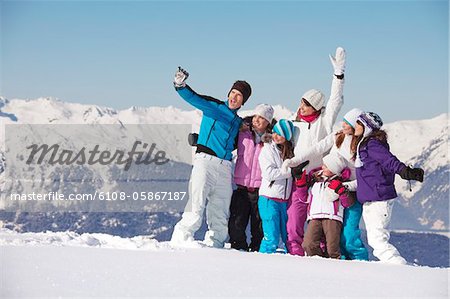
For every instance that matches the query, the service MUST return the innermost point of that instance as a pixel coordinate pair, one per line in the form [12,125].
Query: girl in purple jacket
[376,167]
[247,177]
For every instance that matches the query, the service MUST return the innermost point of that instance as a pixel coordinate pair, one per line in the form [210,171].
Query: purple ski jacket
[376,176]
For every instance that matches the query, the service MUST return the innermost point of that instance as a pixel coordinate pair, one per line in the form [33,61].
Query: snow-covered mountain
[424,144]
[421,143]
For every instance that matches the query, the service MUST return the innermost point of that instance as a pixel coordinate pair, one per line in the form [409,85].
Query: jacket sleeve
[351,185]
[319,149]
[243,140]
[382,155]
[209,108]
[269,168]
[334,103]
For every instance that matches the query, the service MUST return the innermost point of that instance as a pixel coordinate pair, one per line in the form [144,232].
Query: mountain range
[420,143]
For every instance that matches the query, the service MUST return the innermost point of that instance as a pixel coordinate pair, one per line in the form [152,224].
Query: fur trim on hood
[266,137]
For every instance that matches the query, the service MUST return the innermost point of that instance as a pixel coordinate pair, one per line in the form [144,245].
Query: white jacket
[320,206]
[328,144]
[308,134]
[270,163]
[345,152]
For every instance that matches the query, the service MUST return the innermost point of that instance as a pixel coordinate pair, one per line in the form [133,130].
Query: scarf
[309,118]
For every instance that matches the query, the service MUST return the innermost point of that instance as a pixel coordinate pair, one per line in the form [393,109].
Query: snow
[66,264]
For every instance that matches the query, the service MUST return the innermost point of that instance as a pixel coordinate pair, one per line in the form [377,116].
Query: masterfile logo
[96,167]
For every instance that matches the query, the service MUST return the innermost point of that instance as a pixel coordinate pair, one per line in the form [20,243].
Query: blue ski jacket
[219,127]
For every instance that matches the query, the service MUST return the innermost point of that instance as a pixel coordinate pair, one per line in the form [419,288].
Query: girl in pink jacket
[247,177]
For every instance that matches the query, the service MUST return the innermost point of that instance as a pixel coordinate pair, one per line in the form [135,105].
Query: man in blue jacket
[211,179]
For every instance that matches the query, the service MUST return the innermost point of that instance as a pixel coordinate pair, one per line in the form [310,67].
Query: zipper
[231,127]
[212,127]
[253,161]
[322,189]
[285,188]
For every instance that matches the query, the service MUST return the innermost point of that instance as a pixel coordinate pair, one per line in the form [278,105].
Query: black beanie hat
[244,88]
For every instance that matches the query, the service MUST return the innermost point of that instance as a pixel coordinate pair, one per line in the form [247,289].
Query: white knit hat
[265,111]
[315,98]
[351,116]
[334,163]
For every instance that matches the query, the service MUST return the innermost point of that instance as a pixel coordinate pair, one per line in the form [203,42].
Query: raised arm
[336,99]
[209,106]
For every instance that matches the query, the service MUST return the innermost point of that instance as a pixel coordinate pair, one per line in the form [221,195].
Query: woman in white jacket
[276,186]
[313,122]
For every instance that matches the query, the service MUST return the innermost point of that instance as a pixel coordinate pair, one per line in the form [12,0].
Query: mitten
[180,77]
[285,169]
[338,62]
[302,180]
[337,186]
[415,174]
[297,171]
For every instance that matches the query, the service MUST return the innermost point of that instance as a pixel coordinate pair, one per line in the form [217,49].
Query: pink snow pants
[297,211]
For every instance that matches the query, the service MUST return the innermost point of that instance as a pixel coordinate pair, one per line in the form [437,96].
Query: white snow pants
[210,186]
[377,215]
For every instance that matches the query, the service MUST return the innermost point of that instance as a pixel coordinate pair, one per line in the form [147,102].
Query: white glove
[180,77]
[293,162]
[338,61]
[285,166]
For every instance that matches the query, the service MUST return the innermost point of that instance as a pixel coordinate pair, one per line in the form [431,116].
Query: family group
[302,187]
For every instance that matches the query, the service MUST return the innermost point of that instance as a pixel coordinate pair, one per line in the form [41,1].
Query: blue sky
[124,53]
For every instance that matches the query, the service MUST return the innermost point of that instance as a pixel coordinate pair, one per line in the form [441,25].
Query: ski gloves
[337,191]
[180,77]
[301,179]
[338,63]
[415,174]
[337,186]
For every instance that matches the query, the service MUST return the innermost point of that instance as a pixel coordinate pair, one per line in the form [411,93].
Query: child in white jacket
[276,186]
[327,199]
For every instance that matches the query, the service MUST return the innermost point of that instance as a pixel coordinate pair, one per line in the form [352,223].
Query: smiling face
[278,139]
[347,129]
[305,108]
[259,123]
[235,99]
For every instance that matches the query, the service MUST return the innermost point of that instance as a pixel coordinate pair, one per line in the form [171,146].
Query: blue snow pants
[274,218]
[352,247]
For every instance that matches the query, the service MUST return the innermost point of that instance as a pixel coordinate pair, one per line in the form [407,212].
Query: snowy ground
[97,265]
